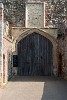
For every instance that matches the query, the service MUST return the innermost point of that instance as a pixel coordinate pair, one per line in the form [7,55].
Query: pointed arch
[46,35]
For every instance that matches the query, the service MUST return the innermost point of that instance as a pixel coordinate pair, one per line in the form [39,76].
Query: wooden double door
[34,56]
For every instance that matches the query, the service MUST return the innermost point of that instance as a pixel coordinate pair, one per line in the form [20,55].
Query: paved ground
[34,88]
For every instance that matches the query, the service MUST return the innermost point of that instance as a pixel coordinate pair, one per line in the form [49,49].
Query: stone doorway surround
[19,33]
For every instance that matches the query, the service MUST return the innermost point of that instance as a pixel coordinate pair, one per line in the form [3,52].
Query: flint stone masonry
[35,15]
[65,57]
[62,48]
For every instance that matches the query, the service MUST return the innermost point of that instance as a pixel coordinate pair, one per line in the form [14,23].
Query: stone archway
[46,35]
[35,55]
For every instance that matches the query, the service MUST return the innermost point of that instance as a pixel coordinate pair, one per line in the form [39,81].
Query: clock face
[35,15]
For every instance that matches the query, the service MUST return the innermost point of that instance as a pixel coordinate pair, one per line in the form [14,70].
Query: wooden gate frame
[50,38]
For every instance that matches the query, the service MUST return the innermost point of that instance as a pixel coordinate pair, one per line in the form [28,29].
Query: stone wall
[5,50]
[62,50]
[7,61]
[17,31]
[44,32]
[1,35]
[35,15]
[65,57]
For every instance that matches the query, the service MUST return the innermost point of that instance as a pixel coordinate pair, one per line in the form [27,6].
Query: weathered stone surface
[35,15]
[34,23]
[17,31]
[62,43]
[1,35]
[7,47]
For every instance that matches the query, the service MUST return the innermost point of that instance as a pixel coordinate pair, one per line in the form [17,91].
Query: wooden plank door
[34,55]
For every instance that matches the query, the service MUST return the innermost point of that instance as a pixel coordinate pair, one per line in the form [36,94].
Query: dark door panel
[34,55]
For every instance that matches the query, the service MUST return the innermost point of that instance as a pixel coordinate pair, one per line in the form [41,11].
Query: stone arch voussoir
[49,37]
